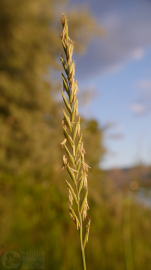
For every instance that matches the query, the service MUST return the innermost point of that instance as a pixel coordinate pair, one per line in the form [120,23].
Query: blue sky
[115,75]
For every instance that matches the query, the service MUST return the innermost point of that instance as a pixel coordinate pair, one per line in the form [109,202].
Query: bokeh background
[113,69]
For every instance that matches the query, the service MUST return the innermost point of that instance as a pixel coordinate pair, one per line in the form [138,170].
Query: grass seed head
[71,128]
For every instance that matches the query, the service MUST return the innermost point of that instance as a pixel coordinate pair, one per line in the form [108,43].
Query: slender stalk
[74,162]
[81,236]
[81,241]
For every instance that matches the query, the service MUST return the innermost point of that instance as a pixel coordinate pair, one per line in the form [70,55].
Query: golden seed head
[69,121]
[71,215]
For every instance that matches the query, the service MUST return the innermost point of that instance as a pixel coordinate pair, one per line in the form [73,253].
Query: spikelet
[71,71]
[70,156]
[70,51]
[74,150]
[63,143]
[78,145]
[85,208]
[66,103]
[71,174]
[72,193]
[65,85]
[75,90]
[64,162]
[74,111]
[64,64]
[85,182]
[66,121]
[78,166]
[81,183]
[77,128]
[74,216]
[86,236]
[70,197]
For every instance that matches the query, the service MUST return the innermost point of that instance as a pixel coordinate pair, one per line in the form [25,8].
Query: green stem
[81,241]
[81,230]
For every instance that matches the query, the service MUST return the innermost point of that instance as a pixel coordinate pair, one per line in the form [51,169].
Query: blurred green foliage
[33,195]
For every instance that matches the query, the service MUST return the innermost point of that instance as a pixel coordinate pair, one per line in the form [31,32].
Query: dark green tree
[32,197]
[29,50]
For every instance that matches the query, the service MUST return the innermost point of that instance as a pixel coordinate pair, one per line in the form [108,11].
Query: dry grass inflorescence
[74,160]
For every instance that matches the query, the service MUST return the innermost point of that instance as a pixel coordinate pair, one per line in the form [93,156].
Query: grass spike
[77,167]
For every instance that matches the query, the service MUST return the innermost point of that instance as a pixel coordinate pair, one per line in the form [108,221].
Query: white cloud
[127,25]
[138,54]
[115,69]
[138,108]
[143,103]
[145,86]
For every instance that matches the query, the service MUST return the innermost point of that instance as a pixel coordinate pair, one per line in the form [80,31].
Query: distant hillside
[134,176]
